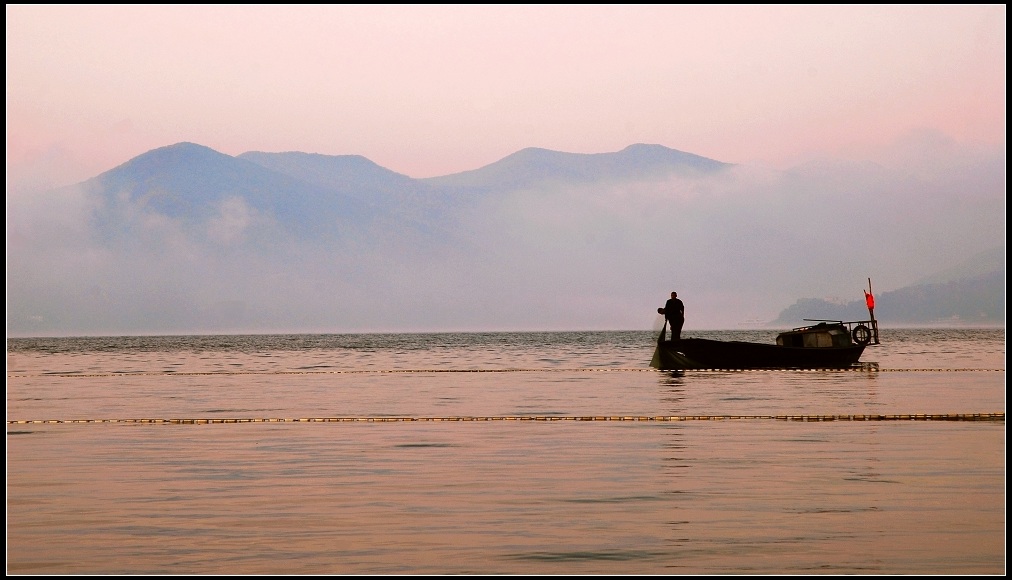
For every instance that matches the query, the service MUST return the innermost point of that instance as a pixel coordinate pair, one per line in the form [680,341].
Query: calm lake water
[500,453]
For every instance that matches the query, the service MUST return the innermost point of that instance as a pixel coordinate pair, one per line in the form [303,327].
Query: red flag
[869,299]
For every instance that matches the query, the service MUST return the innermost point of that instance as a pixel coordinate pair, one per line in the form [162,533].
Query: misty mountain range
[321,196]
[974,301]
[186,239]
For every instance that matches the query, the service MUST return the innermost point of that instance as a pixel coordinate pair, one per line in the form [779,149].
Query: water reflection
[742,493]
[672,391]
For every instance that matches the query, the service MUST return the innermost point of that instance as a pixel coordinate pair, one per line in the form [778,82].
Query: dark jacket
[674,310]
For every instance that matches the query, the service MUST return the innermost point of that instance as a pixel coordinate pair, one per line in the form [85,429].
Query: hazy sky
[434,90]
[902,107]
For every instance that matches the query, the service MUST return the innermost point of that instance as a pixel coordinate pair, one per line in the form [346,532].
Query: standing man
[674,314]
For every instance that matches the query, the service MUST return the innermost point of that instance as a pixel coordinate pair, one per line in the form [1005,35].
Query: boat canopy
[819,336]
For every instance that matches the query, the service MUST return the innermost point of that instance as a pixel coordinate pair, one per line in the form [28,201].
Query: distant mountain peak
[184,145]
[647,147]
[535,165]
[179,153]
[183,148]
[340,171]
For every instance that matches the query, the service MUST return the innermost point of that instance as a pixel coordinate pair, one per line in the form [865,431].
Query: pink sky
[434,90]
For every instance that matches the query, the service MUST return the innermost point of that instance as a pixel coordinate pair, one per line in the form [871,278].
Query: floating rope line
[423,371]
[999,416]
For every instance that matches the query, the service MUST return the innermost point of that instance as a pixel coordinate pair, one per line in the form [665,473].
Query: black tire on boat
[861,334]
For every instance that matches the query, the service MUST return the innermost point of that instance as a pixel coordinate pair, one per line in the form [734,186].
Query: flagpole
[869,300]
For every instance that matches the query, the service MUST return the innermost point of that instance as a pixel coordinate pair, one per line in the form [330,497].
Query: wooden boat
[826,344]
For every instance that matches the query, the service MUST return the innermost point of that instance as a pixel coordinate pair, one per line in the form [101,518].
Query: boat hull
[702,353]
